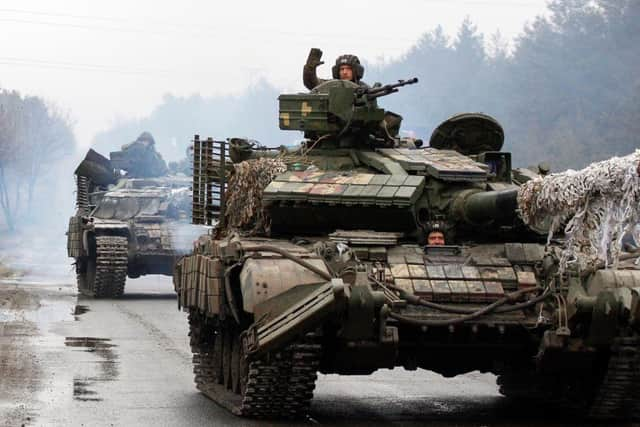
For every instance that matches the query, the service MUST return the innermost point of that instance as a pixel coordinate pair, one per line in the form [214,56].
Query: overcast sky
[109,60]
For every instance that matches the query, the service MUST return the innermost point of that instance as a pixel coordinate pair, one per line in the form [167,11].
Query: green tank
[129,224]
[316,262]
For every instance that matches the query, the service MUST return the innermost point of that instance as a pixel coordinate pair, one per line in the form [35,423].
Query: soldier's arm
[309,76]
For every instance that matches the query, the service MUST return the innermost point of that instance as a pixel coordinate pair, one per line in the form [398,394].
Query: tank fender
[610,298]
[107,227]
[263,279]
[272,331]
[624,285]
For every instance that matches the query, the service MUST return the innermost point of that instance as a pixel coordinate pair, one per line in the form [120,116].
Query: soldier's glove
[313,60]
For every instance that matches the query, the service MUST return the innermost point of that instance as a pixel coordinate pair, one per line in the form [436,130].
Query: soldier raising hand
[347,67]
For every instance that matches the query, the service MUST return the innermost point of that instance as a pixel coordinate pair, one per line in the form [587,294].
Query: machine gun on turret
[340,112]
[374,92]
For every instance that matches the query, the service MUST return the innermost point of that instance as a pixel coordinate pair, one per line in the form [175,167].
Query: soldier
[140,158]
[435,235]
[347,67]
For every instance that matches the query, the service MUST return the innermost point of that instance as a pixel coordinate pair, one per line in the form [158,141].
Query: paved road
[70,361]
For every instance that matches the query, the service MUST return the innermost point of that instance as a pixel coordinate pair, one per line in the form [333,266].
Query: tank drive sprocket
[278,385]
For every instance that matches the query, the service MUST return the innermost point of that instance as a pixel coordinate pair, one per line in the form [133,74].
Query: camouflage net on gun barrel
[597,206]
[244,210]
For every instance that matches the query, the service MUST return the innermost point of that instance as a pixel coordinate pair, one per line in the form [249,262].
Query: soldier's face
[435,238]
[346,72]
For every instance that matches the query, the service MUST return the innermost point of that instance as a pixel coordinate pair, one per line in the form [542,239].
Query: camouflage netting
[244,195]
[597,206]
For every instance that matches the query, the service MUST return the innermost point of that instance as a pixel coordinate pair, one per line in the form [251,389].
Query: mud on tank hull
[265,315]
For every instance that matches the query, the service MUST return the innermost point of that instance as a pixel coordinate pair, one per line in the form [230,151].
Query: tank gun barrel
[482,207]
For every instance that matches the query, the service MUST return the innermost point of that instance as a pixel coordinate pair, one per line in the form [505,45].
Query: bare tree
[33,136]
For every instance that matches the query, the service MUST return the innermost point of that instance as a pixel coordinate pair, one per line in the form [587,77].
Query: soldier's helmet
[435,225]
[351,60]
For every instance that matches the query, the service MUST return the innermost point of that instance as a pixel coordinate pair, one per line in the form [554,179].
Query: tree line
[566,92]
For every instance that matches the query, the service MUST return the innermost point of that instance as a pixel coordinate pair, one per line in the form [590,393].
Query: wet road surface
[69,361]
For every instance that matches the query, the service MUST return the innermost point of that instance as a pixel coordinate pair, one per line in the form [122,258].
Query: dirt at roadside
[5,271]
[19,366]
[33,252]
[16,299]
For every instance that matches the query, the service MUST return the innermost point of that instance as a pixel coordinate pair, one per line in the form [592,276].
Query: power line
[74,66]
[48,64]
[79,26]
[63,15]
[169,27]
[511,3]
[199,31]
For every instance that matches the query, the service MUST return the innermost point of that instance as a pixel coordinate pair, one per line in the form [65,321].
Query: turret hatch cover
[468,133]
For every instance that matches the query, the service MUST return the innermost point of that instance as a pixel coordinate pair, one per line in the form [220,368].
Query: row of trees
[34,137]
[173,123]
[566,92]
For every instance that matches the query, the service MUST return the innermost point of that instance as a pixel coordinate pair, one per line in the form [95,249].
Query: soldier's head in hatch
[348,67]
[435,234]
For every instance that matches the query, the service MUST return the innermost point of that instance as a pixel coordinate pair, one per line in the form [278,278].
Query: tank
[317,261]
[130,220]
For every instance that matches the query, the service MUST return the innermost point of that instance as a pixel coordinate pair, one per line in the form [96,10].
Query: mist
[566,91]
[173,123]
[36,190]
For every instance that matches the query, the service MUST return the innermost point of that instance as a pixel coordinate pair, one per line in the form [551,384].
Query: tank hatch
[446,165]
[468,133]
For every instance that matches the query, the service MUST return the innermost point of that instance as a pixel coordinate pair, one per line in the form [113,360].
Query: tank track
[617,397]
[111,266]
[280,385]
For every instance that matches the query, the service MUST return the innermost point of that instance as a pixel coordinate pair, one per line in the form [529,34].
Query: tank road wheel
[279,385]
